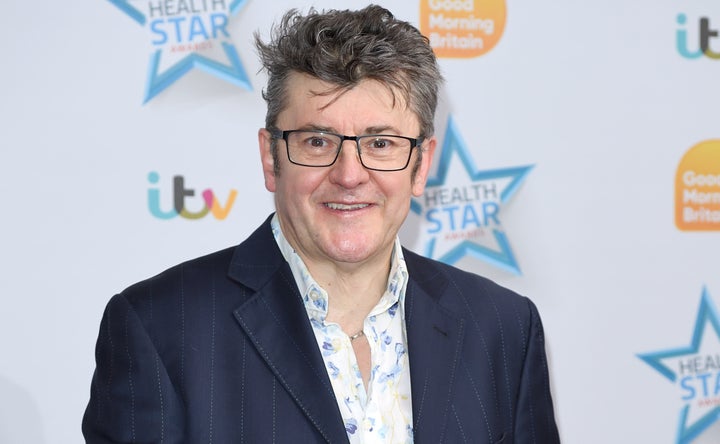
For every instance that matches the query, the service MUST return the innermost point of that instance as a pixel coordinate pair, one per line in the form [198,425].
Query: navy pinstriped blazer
[220,350]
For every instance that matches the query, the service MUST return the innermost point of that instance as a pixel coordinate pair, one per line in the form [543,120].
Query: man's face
[344,213]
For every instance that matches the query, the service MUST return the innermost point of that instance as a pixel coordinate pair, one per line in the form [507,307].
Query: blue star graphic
[503,257]
[707,314]
[157,82]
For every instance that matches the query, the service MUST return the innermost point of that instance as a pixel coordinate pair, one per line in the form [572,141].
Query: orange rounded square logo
[697,188]
[462,28]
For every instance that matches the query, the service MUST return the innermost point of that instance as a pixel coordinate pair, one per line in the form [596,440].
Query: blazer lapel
[276,322]
[435,337]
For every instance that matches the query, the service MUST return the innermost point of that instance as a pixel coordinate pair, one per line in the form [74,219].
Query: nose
[348,171]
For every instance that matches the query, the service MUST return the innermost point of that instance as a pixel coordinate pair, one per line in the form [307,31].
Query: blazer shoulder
[463,291]
[226,272]
[202,268]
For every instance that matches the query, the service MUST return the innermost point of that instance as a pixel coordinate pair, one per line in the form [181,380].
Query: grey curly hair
[343,48]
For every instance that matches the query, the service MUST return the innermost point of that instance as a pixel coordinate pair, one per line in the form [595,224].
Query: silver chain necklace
[356,335]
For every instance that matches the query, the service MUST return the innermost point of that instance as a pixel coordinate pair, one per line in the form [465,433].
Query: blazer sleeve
[535,419]
[132,398]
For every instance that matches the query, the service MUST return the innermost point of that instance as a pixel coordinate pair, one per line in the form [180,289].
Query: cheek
[296,184]
[397,193]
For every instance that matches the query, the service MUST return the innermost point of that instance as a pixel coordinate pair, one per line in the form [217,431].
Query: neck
[352,291]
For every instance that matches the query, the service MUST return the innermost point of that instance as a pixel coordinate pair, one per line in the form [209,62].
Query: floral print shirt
[383,413]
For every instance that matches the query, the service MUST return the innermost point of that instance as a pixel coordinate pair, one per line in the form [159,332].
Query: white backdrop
[595,97]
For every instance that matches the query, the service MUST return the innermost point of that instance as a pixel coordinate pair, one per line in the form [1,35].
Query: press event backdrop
[580,166]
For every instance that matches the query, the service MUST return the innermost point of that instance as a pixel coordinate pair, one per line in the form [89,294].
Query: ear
[266,157]
[428,147]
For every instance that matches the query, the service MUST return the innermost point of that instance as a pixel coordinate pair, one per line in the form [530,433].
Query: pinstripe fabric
[500,385]
[220,350]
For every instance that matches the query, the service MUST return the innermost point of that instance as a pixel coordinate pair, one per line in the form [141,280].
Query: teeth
[338,206]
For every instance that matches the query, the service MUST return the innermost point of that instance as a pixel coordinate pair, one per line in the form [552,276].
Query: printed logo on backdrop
[184,35]
[184,202]
[695,371]
[461,210]
[697,188]
[462,28]
[695,37]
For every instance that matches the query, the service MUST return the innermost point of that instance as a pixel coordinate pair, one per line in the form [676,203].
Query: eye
[379,143]
[317,142]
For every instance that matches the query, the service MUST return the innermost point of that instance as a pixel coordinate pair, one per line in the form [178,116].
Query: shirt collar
[315,297]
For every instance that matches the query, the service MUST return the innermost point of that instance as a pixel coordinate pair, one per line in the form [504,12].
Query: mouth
[345,207]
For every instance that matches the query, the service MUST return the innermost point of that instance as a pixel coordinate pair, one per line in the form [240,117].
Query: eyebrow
[385,129]
[381,130]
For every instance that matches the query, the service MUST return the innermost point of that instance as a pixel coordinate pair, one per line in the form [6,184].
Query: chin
[355,251]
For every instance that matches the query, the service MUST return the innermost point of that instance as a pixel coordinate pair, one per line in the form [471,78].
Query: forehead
[311,102]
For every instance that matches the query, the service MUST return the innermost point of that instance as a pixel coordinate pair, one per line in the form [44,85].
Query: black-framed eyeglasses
[378,152]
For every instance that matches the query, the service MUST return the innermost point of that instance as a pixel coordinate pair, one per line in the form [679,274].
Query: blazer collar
[435,337]
[257,259]
[275,321]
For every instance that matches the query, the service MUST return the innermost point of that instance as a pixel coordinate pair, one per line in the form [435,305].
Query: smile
[343,207]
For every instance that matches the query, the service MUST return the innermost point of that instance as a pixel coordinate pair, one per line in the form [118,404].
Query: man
[320,327]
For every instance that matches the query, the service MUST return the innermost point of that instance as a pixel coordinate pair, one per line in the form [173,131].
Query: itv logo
[210,204]
[706,36]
